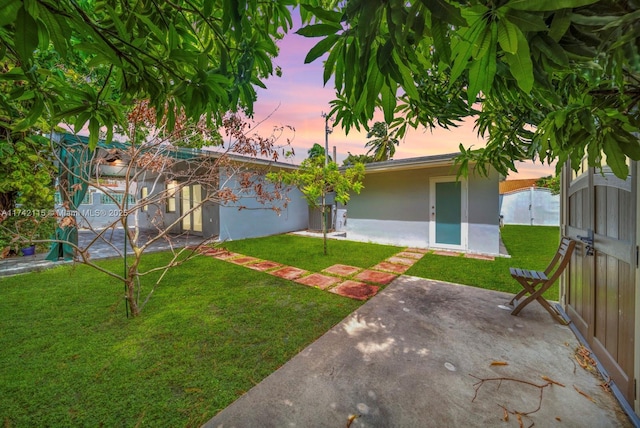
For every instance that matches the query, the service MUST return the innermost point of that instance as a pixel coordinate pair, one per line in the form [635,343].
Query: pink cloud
[298,99]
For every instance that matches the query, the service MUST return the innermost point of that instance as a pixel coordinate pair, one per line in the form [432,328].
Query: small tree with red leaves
[158,155]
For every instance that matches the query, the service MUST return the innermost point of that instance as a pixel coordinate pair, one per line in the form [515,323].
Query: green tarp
[74,173]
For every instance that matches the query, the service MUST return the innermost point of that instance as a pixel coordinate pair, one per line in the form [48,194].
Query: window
[88,199]
[116,198]
[171,196]
[144,192]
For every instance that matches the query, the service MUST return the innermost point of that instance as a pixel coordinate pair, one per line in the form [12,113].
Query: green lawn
[69,357]
[530,247]
[306,252]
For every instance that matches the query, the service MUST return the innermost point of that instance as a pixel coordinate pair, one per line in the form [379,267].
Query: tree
[87,62]
[195,56]
[352,159]
[317,151]
[315,180]
[384,145]
[547,80]
[551,182]
[224,177]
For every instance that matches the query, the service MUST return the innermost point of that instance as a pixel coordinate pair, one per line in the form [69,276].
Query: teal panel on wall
[448,213]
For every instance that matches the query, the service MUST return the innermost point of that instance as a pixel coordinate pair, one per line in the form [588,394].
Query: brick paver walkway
[348,281]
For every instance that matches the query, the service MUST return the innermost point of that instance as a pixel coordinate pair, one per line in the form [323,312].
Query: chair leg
[537,295]
[527,288]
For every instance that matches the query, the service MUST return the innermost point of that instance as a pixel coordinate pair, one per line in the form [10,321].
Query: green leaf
[321,48]
[520,64]
[631,149]
[526,21]
[26,35]
[330,63]
[551,49]
[440,42]
[547,5]
[462,48]
[444,11]
[375,80]
[160,35]
[388,103]
[507,36]
[81,120]
[616,159]
[94,132]
[318,30]
[9,11]
[207,7]
[483,71]
[560,24]
[591,20]
[482,43]
[325,15]
[59,31]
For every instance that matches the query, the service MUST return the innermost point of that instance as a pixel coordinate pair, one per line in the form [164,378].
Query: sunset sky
[298,99]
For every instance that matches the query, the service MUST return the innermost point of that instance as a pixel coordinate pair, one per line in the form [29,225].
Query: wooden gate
[599,291]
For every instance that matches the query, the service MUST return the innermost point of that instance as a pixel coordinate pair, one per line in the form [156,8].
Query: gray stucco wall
[484,214]
[257,219]
[393,208]
[394,195]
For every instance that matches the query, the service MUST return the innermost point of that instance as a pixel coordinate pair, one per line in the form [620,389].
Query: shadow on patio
[408,357]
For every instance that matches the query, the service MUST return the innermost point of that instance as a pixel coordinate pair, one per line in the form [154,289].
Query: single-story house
[522,202]
[164,196]
[247,217]
[420,202]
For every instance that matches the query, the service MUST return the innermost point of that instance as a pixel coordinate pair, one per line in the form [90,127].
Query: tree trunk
[130,287]
[7,201]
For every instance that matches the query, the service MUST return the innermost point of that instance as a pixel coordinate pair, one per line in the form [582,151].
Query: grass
[530,247]
[69,357]
[306,253]
[212,330]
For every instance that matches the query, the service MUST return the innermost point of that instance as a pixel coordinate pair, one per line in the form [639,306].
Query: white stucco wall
[389,232]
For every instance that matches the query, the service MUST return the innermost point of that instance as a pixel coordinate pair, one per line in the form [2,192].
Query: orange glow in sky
[298,99]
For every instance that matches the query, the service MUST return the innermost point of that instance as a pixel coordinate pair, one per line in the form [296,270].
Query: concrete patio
[407,358]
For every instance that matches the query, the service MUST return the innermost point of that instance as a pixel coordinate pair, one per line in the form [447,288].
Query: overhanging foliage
[546,80]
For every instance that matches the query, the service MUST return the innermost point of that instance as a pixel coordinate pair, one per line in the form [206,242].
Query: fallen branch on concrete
[517,413]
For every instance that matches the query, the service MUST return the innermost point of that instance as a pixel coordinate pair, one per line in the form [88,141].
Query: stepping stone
[480,257]
[342,270]
[447,253]
[355,290]
[318,280]
[244,260]
[417,250]
[208,251]
[375,276]
[264,265]
[288,272]
[410,255]
[226,255]
[391,267]
[402,260]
